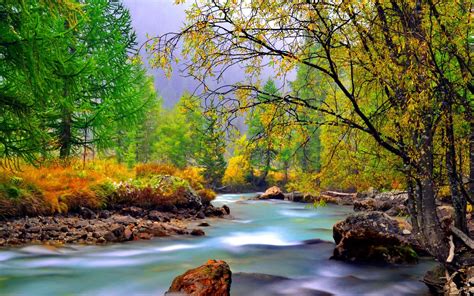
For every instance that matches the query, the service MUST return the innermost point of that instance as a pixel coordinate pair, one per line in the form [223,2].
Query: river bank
[105,226]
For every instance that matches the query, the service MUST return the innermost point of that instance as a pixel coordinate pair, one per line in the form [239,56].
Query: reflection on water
[263,242]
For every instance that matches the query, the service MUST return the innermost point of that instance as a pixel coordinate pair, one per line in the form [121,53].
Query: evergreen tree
[102,85]
[31,35]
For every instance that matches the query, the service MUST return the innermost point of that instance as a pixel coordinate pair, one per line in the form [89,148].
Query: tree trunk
[412,206]
[471,159]
[65,136]
[433,234]
[459,202]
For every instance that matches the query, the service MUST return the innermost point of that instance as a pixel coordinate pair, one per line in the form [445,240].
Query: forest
[352,124]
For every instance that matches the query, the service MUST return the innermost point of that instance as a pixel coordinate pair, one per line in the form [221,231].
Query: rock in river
[272,193]
[210,279]
[393,203]
[372,237]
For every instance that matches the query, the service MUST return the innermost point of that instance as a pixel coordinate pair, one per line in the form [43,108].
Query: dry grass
[59,188]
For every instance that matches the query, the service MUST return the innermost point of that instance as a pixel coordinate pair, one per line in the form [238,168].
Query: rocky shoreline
[106,226]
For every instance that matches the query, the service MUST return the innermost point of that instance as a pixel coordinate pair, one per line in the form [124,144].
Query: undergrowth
[61,188]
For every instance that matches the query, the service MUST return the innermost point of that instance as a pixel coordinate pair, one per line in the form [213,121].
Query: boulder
[154,215]
[226,209]
[372,237]
[272,193]
[86,213]
[445,214]
[340,198]
[393,203]
[210,279]
[197,232]
[123,219]
[133,211]
[212,211]
[104,214]
[296,196]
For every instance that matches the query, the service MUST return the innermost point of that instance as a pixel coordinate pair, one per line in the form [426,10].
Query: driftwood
[462,236]
[451,250]
[338,194]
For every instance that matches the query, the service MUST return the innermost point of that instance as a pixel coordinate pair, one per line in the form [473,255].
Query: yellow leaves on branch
[235,173]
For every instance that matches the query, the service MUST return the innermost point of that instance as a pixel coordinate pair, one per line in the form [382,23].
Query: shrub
[193,175]
[57,188]
[18,198]
[207,195]
[147,169]
[159,191]
[276,178]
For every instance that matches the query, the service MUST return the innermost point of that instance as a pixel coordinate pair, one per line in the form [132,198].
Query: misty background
[157,17]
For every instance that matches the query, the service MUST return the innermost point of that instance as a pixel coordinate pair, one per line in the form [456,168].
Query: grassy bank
[58,188]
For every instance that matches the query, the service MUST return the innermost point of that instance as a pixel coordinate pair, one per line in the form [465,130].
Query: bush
[207,195]
[147,169]
[18,198]
[155,192]
[191,174]
[57,188]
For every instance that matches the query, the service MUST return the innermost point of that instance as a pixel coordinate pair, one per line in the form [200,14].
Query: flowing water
[263,237]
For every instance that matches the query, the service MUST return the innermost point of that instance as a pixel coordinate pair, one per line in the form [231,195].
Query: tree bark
[459,202]
[435,237]
[433,234]
[65,136]
[412,206]
[471,159]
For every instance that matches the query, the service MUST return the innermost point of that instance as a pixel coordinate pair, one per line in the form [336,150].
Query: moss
[394,254]
[103,192]
[13,192]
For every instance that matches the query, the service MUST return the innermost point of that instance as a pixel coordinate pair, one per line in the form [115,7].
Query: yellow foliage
[237,169]
[206,195]
[276,177]
[304,182]
[193,175]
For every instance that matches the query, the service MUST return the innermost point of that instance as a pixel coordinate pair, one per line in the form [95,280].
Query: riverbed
[272,247]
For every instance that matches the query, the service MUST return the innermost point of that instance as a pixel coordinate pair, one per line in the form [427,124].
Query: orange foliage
[67,187]
[206,195]
[59,188]
[146,169]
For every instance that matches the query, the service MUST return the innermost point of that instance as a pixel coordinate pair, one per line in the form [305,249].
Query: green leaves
[67,81]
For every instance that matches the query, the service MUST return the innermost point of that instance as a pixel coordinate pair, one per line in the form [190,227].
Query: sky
[157,17]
